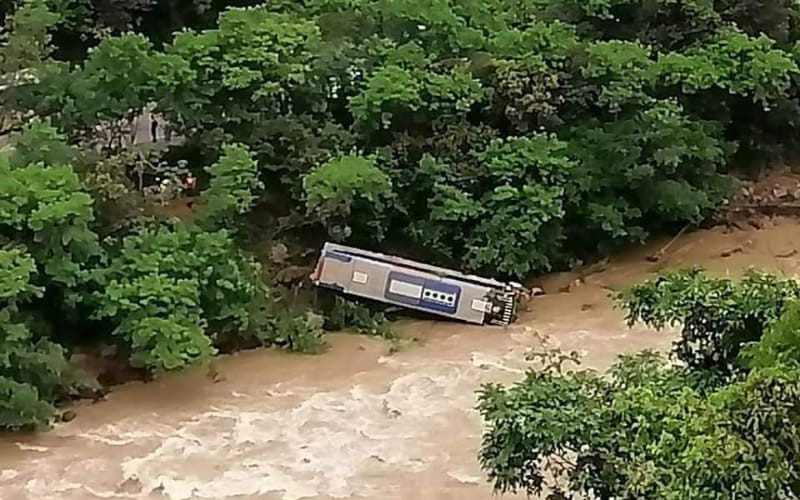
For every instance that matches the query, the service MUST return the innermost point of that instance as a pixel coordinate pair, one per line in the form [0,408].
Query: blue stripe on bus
[432,288]
[338,256]
[437,287]
[403,278]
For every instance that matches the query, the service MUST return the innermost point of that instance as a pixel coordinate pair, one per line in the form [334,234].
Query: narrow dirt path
[356,422]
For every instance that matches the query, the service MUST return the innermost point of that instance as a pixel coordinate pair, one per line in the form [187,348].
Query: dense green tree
[168,293]
[175,291]
[44,207]
[24,57]
[718,317]
[171,291]
[653,101]
[350,191]
[646,430]
[232,191]
[31,368]
[655,168]
[507,213]
[653,429]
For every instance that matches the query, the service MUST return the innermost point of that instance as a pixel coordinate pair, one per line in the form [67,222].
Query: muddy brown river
[358,422]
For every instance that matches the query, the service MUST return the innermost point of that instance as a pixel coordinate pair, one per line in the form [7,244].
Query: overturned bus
[423,287]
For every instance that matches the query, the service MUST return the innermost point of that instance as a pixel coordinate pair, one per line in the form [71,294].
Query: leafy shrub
[233,188]
[780,344]
[301,333]
[724,424]
[397,92]
[733,62]
[167,343]
[741,81]
[718,316]
[662,24]
[389,90]
[644,172]
[348,192]
[172,292]
[746,440]
[182,281]
[21,406]
[621,71]
[348,313]
[46,208]
[262,82]
[40,143]
[645,431]
[31,370]
[119,71]
[118,205]
[48,250]
[38,363]
[26,37]
[506,215]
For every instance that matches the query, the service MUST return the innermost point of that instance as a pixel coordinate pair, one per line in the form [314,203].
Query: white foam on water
[464,477]
[110,441]
[484,361]
[8,474]
[351,442]
[320,446]
[28,447]
[233,483]
[127,431]
[39,488]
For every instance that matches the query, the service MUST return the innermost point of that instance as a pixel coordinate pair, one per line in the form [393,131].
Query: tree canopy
[578,127]
[723,423]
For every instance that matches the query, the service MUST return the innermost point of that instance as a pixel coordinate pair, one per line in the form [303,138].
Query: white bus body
[423,287]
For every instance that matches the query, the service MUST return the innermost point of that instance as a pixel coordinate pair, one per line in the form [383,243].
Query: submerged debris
[68,416]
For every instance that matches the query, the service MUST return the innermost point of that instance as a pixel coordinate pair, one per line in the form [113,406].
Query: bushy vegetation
[31,366]
[493,136]
[718,317]
[350,314]
[724,422]
[168,292]
[498,136]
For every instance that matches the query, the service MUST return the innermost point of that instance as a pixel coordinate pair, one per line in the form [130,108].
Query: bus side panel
[368,279]
[472,303]
[430,293]
[335,271]
[356,276]
[400,286]
[404,288]
[426,293]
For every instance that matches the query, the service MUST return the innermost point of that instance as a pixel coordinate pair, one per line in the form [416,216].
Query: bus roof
[440,271]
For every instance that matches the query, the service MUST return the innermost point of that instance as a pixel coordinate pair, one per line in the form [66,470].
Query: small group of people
[159,180]
[166,183]
[167,189]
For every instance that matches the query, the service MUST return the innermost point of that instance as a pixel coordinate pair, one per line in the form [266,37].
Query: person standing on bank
[154,130]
